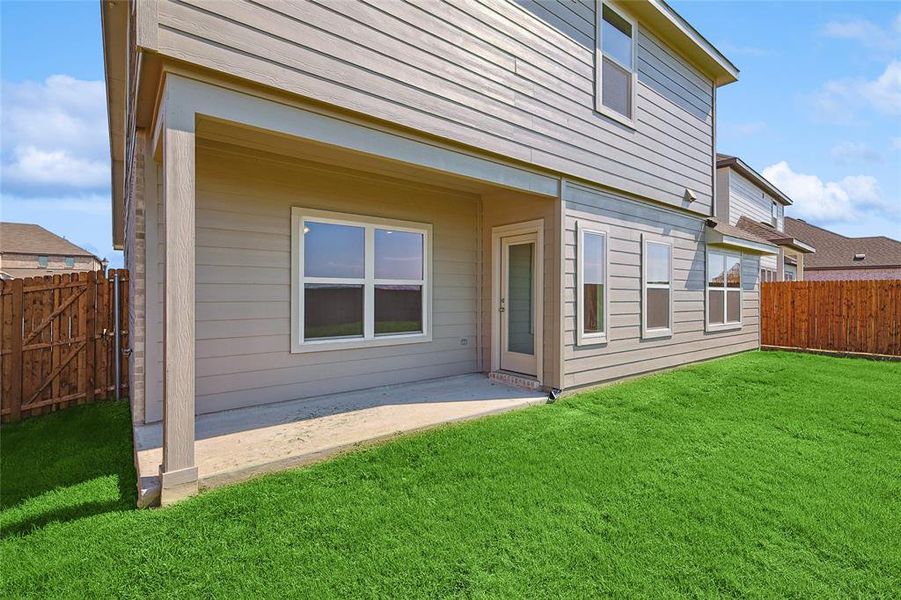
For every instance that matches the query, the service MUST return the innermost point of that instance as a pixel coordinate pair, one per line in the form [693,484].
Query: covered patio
[233,387]
[236,444]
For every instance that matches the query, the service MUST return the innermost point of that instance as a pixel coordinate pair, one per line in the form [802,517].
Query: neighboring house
[840,257]
[28,250]
[323,198]
[745,199]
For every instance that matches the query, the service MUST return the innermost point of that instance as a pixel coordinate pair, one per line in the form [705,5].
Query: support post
[780,265]
[178,473]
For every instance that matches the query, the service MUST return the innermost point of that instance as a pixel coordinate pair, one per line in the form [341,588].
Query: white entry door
[518,304]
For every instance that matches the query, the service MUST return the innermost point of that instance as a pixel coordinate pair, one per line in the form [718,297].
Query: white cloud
[840,100]
[32,166]
[854,152]
[831,201]
[54,136]
[865,32]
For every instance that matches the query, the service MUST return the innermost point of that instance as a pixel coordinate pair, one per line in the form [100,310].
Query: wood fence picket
[840,316]
[57,344]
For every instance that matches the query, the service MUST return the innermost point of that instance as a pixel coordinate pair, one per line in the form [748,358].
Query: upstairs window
[657,289]
[775,214]
[723,289]
[615,64]
[42,262]
[70,262]
[359,281]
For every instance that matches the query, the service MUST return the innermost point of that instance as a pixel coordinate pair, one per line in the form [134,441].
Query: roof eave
[714,236]
[685,38]
[743,168]
[114,24]
[796,244]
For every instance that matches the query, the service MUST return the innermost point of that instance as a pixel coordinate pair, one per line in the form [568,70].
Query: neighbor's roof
[837,251]
[769,233]
[28,238]
[725,160]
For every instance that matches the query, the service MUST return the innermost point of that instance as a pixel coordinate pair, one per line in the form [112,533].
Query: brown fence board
[841,316]
[57,348]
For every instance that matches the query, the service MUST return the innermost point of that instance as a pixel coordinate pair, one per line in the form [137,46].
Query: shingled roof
[770,234]
[28,238]
[835,250]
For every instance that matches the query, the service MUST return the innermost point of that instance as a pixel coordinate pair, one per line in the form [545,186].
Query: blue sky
[817,109]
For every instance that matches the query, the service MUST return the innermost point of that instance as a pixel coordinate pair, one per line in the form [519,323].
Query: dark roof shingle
[835,250]
[28,238]
[771,234]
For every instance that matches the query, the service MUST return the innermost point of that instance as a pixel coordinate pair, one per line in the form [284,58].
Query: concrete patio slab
[237,444]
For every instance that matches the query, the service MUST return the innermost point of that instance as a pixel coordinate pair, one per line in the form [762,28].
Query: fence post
[15,356]
[117,332]
[90,378]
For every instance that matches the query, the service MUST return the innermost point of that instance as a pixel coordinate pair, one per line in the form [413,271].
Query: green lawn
[766,474]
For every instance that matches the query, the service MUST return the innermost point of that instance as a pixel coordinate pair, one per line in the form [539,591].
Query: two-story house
[29,250]
[747,200]
[316,198]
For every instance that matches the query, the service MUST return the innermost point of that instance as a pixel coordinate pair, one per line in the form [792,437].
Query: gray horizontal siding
[513,79]
[626,353]
[748,200]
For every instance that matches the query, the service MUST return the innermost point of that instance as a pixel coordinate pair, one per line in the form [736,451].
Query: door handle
[501,307]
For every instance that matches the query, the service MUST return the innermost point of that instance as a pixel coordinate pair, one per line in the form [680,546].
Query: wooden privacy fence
[58,341]
[841,316]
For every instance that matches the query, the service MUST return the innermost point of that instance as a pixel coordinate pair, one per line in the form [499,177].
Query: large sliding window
[723,290]
[358,281]
[657,288]
[615,69]
[592,286]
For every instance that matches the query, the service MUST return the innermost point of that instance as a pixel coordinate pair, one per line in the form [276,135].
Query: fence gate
[59,341]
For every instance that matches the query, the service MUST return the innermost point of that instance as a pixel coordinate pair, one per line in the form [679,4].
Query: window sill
[356,343]
[619,118]
[591,340]
[723,327]
[654,334]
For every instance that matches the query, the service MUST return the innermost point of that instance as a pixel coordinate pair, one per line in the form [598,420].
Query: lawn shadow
[64,450]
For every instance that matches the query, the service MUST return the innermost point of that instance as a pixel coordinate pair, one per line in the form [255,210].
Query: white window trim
[724,326]
[369,339]
[660,332]
[599,62]
[582,338]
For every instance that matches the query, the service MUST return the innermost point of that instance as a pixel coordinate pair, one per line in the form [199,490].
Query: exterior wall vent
[860,256]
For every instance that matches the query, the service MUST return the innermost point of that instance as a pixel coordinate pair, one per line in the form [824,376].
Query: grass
[765,474]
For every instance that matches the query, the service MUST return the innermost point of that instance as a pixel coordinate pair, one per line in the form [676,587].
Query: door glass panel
[520,335]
